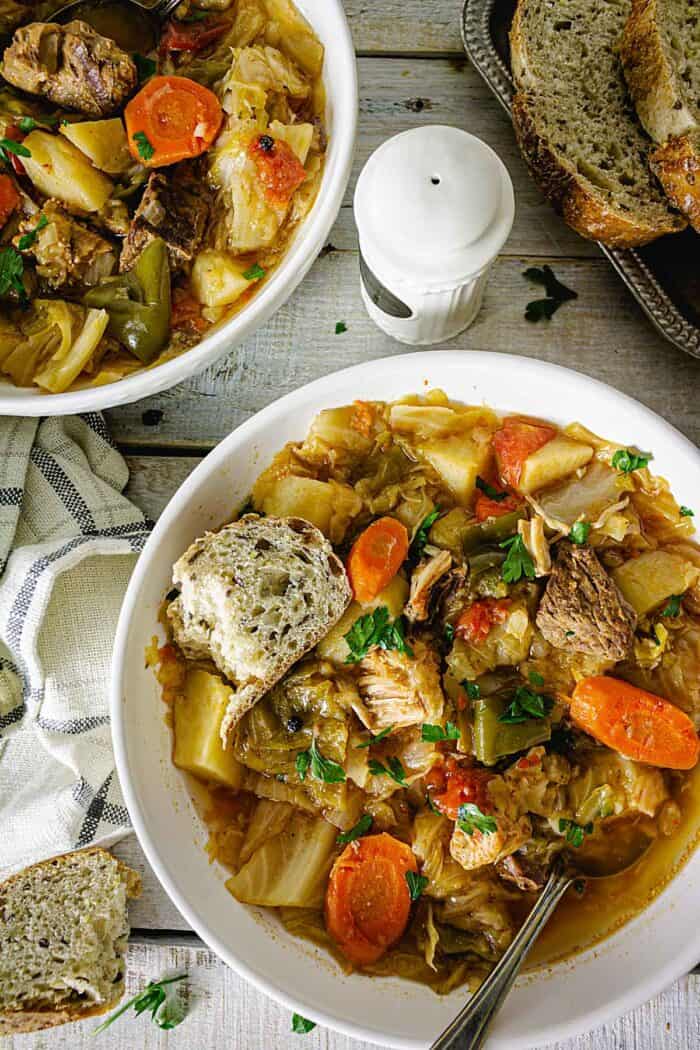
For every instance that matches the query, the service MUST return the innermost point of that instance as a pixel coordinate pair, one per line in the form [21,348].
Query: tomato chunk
[476,621]
[278,166]
[514,442]
[487,507]
[451,784]
[9,198]
[192,36]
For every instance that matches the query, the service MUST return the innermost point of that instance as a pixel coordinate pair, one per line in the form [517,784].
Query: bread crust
[582,208]
[676,165]
[35,1019]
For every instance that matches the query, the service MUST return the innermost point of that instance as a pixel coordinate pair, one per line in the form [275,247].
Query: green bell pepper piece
[494,739]
[478,534]
[138,303]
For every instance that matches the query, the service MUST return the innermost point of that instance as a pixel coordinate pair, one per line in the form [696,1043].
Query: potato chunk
[218,279]
[198,714]
[458,460]
[334,647]
[326,504]
[653,577]
[58,169]
[559,458]
[104,142]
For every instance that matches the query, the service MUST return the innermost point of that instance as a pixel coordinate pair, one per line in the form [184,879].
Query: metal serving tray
[664,277]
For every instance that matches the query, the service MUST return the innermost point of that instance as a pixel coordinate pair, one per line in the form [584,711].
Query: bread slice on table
[254,597]
[576,126]
[63,935]
[660,52]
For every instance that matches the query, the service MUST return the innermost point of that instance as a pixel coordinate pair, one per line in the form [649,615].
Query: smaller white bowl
[328,20]
[650,952]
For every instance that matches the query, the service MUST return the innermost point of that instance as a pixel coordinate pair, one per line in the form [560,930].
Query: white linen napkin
[68,542]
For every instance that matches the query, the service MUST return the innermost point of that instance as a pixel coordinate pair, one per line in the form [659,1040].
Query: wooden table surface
[412,72]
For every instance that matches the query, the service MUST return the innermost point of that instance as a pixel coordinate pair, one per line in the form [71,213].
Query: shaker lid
[433,206]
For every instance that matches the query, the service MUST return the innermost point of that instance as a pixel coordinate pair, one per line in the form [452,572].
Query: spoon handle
[161,8]
[470,1027]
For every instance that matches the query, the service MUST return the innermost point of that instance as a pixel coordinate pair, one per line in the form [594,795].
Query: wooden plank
[415,27]
[299,345]
[153,910]
[226,1012]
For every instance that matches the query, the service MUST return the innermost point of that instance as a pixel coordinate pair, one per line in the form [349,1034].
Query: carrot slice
[170,119]
[515,441]
[9,198]
[376,556]
[368,900]
[638,724]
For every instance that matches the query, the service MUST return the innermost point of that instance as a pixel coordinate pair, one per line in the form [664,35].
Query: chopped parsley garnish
[340,327]
[579,532]
[145,67]
[490,491]
[518,562]
[421,537]
[686,512]
[27,124]
[10,146]
[569,634]
[472,689]
[525,705]
[470,819]
[361,828]
[27,240]
[449,633]
[536,678]
[143,146]
[432,734]
[321,768]
[300,1026]
[575,833]
[393,769]
[254,273]
[165,1009]
[626,461]
[672,606]
[375,739]
[195,16]
[557,293]
[11,270]
[376,628]
[416,884]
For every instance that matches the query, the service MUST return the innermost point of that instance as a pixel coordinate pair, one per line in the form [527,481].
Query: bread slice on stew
[660,52]
[254,597]
[63,935]
[576,126]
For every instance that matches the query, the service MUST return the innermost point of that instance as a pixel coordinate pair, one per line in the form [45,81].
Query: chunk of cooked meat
[67,253]
[527,874]
[400,690]
[426,574]
[174,207]
[583,609]
[71,65]
[480,848]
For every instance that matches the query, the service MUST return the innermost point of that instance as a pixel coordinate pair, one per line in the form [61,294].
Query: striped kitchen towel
[68,542]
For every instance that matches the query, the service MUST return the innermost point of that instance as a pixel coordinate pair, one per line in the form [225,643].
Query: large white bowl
[340,79]
[638,962]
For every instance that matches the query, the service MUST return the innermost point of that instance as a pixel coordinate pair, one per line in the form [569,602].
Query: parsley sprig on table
[300,1025]
[376,628]
[166,1009]
[557,293]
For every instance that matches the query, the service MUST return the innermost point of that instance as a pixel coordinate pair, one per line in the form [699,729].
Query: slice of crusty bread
[660,53]
[576,126]
[63,935]
[254,598]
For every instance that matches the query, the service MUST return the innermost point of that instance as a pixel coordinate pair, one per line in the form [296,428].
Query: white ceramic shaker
[433,207]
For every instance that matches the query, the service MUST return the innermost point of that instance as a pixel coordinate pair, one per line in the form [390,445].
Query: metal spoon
[137,23]
[470,1028]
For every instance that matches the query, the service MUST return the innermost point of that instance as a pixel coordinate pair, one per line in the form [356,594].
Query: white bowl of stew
[620,964]
[233,324]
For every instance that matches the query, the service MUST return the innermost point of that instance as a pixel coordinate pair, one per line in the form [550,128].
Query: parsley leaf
[472,689]
[686,512]
[357,831]
[393,769]
[376,628]
[575,833]
[569,634]
[536,678]
[324,769]
[300,1026]
[375,739]
[11,270]
[673,605]
[518,562]
[416,884]
[449,633]
[470,819]
[150,1000]
[254,273]
[340,327]
[27,240]
[626,461]
[10,146]
[143,146]
[525,705]
[579,532]
[490,491]
[557,293]
[302,764]
[432,734]
[26,124]
[145,67]
[541,310]
[421,537]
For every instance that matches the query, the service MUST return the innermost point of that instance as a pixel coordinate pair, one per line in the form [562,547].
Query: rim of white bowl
[317,390]
[304,250]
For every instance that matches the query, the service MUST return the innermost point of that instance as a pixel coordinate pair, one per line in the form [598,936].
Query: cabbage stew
[517,675]
[144,197]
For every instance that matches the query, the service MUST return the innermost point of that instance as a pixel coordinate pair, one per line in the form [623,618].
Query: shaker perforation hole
[436,180]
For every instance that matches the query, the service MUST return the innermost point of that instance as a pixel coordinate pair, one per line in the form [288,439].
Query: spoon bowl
[133,25]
